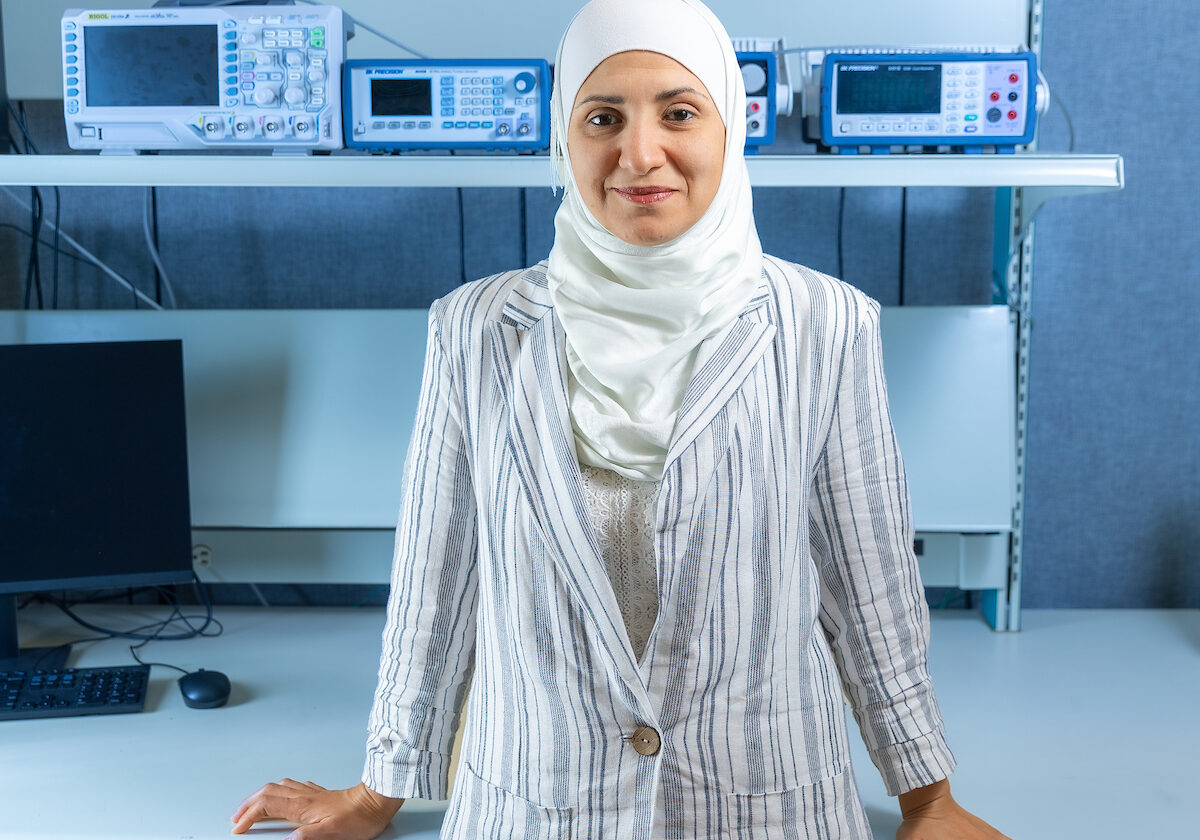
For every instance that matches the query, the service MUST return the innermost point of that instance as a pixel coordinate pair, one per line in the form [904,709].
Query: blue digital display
[146,66]
[889,88]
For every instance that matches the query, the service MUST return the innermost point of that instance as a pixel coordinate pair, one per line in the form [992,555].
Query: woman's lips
[645,195]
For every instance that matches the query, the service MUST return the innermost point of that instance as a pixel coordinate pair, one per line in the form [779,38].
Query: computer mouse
[204,689]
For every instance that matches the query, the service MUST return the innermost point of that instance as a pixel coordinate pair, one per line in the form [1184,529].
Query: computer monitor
[93,473]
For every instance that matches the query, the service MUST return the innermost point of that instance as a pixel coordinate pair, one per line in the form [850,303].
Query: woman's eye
[601,120]
[680,115]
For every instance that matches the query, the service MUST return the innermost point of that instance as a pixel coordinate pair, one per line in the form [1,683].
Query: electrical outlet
[202,556]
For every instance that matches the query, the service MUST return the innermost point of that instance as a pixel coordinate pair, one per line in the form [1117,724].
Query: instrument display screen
[140,66]
[401,98]
[889,88]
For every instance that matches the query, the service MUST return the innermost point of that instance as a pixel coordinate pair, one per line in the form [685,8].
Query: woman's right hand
[356,813]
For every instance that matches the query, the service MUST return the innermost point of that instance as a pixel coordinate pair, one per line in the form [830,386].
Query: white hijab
[635,316]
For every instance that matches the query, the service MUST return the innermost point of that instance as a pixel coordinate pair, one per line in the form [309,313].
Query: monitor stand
[12,657]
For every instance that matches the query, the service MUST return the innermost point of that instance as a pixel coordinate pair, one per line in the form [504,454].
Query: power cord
[148,209]
[92,258]
[155,631]
[33,273]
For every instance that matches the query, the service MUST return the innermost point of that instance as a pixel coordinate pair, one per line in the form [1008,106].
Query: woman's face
[647,146]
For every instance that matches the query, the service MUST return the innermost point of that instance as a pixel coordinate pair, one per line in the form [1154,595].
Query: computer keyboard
[73,691]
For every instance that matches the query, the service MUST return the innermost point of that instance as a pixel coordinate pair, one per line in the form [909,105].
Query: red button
[995,96]
[1012,115]
[1014,78]
[754,106]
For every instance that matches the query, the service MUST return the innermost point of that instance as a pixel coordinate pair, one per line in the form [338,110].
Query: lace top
[622,512]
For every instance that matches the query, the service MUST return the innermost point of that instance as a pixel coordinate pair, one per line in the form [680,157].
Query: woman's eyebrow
[611,99]
[601,97]
[671,94]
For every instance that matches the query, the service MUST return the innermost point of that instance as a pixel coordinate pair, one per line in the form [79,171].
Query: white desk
[1021,712]
[302,687]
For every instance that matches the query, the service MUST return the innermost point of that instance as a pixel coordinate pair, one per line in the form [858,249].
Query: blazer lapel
[722,365]
[530,365]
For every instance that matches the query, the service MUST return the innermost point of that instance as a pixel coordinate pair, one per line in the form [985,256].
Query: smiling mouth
[645,195]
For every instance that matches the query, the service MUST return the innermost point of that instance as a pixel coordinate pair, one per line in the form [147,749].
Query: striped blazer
[786,578]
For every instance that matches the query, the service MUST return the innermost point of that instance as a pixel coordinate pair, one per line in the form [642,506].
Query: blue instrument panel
[498,104]
[759,75]
[967,100]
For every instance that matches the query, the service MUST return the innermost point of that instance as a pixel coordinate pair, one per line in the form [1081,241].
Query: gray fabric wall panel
[310,248]
[540,207]
[948,256]
[1113,495]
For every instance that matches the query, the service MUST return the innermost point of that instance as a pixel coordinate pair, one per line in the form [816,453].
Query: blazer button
[646,741]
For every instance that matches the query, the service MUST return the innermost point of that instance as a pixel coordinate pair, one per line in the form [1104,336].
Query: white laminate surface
[302,687]
[1080,726]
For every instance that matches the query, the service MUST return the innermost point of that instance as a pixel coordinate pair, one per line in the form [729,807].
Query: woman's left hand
[930,813]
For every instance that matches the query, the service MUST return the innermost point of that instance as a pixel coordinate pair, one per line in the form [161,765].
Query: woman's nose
[641,147]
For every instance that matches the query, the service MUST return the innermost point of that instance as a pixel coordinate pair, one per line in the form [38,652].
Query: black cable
[903,237]
[158,289]
[841,223]
[140,661]
[1054,97]
[138,634]
[30,147]
[33,274]
[57,250]
[33,268]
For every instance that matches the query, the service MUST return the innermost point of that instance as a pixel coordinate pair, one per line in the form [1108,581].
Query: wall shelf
[1055,173]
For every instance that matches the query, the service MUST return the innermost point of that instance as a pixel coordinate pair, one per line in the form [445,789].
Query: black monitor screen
[93,466]
[401,98]
[141,66]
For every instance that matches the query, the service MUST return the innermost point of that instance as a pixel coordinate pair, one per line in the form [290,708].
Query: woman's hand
[930,813]
[356,813]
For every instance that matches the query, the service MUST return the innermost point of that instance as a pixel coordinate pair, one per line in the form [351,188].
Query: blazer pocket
[825,810]
[482,809]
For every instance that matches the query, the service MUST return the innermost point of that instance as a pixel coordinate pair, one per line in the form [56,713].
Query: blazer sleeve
[429,636]
[873,607]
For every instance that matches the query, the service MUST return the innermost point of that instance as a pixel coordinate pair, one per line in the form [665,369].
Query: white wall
[531,28]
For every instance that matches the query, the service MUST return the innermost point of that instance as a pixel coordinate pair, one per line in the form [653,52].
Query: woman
[659,410]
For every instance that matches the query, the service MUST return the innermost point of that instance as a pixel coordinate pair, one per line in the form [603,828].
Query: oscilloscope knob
[754,77]
[294,95]
[264,95]
[524,82]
